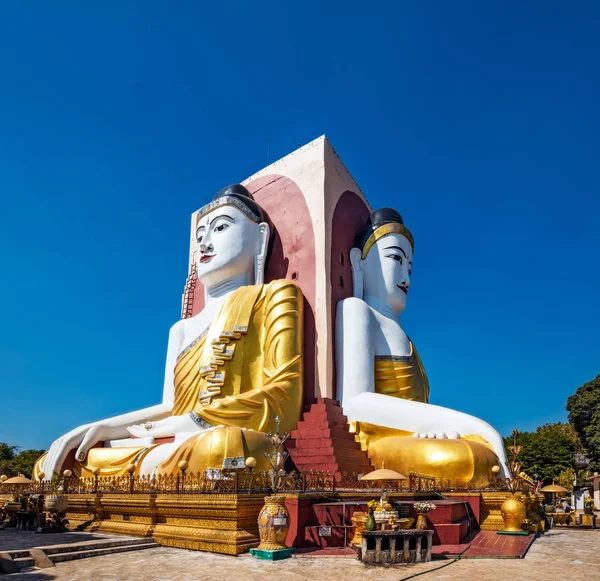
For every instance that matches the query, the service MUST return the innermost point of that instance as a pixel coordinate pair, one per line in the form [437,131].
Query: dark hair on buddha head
[239,192]
[242,195]
[378,218]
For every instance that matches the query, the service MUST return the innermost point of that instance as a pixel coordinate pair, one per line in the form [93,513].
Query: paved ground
[568,555]
[13,540]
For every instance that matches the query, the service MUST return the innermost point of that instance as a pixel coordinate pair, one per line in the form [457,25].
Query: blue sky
[478,121]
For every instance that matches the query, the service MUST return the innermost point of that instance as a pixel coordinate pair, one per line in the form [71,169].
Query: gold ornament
[358,520]
[273,524]
[392,228]
[513,512]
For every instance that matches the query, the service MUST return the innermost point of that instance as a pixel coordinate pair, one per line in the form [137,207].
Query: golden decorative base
[83,511]
[491,516]
[128,514]
[588,520]
[219,523]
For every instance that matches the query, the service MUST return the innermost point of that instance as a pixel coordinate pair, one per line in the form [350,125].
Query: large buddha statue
[230,370]
[383,386]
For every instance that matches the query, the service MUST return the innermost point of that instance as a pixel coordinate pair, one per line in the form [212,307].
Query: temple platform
[219,523]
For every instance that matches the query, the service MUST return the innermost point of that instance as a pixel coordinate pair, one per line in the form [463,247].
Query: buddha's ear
[261,256]
[357,272]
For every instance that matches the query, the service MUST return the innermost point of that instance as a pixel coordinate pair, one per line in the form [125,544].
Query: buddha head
[381,259]
[232,232]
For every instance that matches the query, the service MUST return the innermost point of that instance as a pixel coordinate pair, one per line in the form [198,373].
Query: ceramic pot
[513,512]
[421,521]
[12,507]
[273,524]
[56,502]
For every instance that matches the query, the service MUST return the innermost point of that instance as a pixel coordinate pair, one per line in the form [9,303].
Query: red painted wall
[349,216]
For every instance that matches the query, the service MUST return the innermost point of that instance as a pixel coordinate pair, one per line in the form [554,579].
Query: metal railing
[244,482]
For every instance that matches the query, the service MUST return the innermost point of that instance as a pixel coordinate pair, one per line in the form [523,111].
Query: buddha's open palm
[83,438]
[60,449]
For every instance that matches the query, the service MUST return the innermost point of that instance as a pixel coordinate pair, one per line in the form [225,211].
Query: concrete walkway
[569,555]
[13,540]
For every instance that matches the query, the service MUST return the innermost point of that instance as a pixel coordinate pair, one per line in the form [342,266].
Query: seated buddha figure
[231,370]
[383,385]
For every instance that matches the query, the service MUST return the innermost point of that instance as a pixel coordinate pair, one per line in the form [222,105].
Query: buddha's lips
[403,289]
[206,257]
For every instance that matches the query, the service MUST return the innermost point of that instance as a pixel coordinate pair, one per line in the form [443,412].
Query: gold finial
[382,465]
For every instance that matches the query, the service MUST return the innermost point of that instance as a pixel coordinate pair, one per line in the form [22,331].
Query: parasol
[553,488]
[20,479]
[384,475]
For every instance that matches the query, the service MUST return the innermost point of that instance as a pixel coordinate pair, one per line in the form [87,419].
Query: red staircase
[451,521]
[322,441]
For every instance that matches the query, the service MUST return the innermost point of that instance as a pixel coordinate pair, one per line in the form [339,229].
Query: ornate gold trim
[392,228]
[226,201]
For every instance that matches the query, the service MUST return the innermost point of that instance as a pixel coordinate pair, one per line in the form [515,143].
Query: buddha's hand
[437,435]
[164,428]
[60,449]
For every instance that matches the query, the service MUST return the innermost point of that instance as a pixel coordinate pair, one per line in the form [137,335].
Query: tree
[549,450]
[7,454]
[13,462]
[584,415]
[24,461]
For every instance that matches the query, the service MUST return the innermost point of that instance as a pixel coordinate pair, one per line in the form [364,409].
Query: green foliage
[584,415]
[549,451]
[7,453]
[13,462]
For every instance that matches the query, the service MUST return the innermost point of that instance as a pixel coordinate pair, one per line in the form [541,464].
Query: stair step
[23,563]
[85,554]
[18,554]
[87,545]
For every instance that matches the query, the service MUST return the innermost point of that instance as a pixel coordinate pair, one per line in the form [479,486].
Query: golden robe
[466,461]
[234,386]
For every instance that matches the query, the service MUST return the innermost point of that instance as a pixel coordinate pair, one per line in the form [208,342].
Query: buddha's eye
[395,257]
[221,227]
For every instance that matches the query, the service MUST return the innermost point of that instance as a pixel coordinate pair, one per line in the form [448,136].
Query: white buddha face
[228,244]
[386,271]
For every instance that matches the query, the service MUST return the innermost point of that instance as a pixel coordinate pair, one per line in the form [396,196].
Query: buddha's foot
[438,435]
[455,462]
